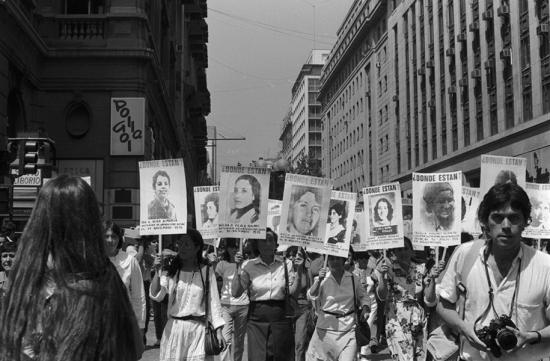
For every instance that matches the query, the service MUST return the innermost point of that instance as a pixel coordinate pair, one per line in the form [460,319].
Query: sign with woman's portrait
[207,207]
[163,197]
[436,209]
[338,225]
[383,212]
[305,205]
[243,201]
[539,195]
[471,197]
[497,169]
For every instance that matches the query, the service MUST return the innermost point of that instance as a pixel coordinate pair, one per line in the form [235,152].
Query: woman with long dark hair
[246,197]
[65,300]
[183,281]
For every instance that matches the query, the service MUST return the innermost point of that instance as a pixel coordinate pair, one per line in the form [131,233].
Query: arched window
[77,119]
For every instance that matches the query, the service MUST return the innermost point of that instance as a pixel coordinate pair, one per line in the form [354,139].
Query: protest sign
[358,232]
[305,203]
[435,201]
[539,195]
[383,218]
[496,169]
[214,242]
[471,197]
[207,206]
[338,225]
[163,196]
[243,201]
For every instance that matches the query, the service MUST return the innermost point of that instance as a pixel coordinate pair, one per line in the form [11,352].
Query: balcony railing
[81,28]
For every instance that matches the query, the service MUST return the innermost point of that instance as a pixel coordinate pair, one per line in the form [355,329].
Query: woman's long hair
[88,316]
[177,263]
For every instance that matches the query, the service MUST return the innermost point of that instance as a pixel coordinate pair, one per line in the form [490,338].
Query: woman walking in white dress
[183,280]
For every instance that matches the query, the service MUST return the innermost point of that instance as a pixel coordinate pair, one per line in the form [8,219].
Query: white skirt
[183,341]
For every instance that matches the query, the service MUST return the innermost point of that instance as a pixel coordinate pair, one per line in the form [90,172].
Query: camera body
[497,331]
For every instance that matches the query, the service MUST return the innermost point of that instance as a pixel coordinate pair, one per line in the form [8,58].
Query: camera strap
[491,294]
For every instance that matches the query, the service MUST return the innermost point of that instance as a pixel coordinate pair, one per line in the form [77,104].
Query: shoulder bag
[362,329]
[212,345]
[443,342]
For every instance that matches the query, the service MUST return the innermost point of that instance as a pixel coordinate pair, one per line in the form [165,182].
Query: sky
[256,49]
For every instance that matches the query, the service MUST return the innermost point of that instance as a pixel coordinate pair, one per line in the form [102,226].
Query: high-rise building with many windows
[430,85]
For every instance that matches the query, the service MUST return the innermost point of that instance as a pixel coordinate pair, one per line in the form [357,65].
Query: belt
[338,315]
[190,318]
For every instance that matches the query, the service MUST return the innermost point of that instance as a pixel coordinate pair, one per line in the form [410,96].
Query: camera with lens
[167,262]
[497,332]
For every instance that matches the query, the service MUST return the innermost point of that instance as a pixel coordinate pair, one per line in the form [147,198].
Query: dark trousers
[160,311]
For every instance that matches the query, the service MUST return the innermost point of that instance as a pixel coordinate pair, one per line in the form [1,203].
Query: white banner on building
[436,198]
[539,195]
[383,218]
[127,126]
[163,197]
[471,197]
[243,197]
[207,206]
[496,169]
[305,203]
[338,225]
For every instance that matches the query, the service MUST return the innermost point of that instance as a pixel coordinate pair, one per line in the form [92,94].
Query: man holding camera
[506,315]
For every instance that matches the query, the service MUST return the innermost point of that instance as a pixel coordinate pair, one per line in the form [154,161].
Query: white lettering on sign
[127,126]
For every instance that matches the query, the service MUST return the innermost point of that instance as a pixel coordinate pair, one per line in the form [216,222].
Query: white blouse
[185,298]
[130,273]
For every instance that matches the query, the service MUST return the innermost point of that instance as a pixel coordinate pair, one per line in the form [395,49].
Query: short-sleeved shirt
[266,282]
[337,298]
[227,270]
[532,309]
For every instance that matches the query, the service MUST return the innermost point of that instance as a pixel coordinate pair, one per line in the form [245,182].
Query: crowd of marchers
[72,287]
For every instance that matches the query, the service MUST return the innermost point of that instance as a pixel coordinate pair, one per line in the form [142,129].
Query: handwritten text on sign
[127,123]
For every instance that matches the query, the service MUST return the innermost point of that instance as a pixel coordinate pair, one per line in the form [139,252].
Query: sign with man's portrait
[383,216]
[338,225]
[207,207]
[436,209]
[163,196]
[471,197]
[305,205]
[243,198]
[497,170]
[539,195]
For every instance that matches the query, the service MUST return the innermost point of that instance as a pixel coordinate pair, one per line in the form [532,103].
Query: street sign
[29,180]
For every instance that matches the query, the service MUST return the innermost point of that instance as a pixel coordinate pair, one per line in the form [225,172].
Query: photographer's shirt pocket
[529,316]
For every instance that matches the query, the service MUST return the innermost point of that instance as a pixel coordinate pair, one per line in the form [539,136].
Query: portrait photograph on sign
[338,225]
[274,209]
[243,201]
[163,197]
[384,220]
[437,209]
[358,233]
[305,206]
[471,198]
[496,170]
[539,195]
[207,206]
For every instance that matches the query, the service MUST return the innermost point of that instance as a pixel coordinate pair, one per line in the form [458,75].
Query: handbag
[212,345]
[291,304]
[443,343]
[362,329]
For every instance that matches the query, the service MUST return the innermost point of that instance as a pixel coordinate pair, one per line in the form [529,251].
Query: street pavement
[152,354]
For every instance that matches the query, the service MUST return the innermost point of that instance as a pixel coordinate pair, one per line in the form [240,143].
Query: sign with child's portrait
[207,207]
[163,197]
